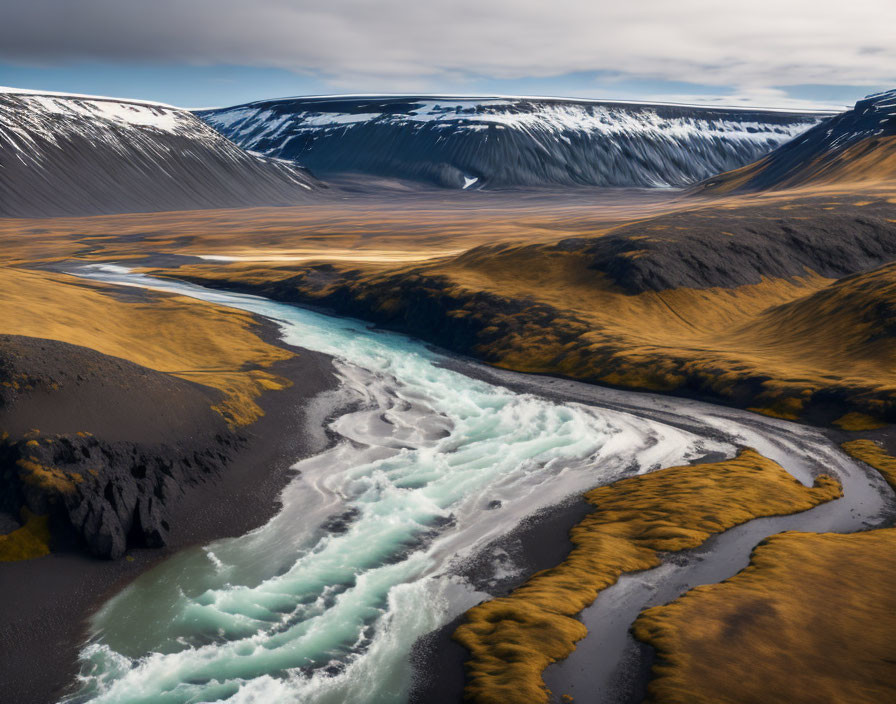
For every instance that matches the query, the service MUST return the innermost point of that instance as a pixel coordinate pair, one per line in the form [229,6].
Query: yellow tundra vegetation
[870,162]
[858,421]
[810,620]
[512,639]
[780,341]
[873,454]
[184,337]
[801,335]
[30,541]
[48,478]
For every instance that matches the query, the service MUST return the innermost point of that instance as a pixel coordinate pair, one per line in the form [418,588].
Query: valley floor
[755,301]
[531,281]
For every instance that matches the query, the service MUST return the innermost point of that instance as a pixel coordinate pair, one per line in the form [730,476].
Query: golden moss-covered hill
[512,639]
[810,620]
[782,306]
[184,337]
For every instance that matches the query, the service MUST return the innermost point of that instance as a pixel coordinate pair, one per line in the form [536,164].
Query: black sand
[47,602]
[538,543]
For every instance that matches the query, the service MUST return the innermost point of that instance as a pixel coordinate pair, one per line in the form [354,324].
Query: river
[436,458]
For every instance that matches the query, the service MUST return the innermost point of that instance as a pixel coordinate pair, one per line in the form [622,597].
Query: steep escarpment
[505,142]
[714,304]
[68,155]
[100,445]
[858,145]
[114,403]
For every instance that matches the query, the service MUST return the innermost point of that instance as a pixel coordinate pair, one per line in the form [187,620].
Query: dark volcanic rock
[505,142]
[62,155]
[735,247]
[99,443]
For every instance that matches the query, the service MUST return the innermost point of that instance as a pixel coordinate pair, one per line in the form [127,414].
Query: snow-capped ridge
[9,90]
[855,146]
[71,155]
[508,141]
[883,101]
[486,97]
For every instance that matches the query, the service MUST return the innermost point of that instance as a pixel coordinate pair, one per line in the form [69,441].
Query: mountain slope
[72,155]
[502,142]
[856,146]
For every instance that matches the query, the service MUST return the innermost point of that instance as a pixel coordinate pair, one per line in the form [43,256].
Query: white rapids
[324,603]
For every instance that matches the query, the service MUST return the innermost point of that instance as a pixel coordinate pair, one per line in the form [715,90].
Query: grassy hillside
[512,639]
[189,339]
[757,305]
[791,628]
[857,146]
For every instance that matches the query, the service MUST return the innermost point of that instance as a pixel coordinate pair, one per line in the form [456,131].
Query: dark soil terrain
[102,444]
[158,469]
[730,247]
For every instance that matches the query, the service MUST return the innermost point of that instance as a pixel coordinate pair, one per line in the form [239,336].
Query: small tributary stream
[436,459]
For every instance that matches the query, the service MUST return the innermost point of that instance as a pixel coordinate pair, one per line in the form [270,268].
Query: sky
[204,53]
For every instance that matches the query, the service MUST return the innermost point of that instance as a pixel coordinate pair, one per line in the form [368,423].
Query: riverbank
[47,601]
[757,305]
[609,665]
[791,612]
[636,520]
[725,424]
[538,543]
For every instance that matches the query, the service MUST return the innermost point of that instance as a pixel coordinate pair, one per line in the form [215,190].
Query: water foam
[324,602]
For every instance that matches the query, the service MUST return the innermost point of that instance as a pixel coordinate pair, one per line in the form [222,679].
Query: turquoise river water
[324,602]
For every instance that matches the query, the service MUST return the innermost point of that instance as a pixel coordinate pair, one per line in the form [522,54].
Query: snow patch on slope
[65,155]
[506,141]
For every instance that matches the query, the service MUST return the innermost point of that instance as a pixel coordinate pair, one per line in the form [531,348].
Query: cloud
[747,97]
[413,44]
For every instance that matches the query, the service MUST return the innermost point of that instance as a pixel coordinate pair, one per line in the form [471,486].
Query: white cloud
[747,97]
[412,45]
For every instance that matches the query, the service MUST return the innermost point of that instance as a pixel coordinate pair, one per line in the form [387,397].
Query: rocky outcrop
[112,495]
[100,444]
